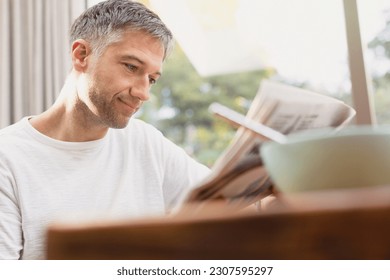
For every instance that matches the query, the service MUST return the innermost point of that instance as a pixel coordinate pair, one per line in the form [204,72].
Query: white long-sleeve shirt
[131,172]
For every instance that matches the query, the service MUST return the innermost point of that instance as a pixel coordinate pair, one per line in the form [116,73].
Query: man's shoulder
[12,138]
[13,135]
[13,130]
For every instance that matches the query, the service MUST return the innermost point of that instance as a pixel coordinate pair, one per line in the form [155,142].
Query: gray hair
[105,23]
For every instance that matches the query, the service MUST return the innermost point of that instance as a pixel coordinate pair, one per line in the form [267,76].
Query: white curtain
[34,54]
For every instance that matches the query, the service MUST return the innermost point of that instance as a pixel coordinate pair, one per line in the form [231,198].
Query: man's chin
[119,124]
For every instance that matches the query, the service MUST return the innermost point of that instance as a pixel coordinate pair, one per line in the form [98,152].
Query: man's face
[118,82]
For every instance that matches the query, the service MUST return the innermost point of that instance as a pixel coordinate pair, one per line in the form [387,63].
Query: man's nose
[141,88]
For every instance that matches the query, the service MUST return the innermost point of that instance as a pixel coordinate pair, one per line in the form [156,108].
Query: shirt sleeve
[11,238]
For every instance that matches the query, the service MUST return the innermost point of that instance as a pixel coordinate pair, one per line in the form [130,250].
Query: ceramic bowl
[356,156]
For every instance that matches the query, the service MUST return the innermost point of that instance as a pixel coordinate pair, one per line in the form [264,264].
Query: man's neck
[66,121]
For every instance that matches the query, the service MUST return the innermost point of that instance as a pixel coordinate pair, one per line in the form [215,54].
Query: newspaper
[238,175]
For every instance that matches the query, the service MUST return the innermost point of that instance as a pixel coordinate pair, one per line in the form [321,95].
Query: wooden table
[342,224]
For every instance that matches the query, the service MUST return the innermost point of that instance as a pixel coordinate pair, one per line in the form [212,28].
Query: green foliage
[381,43]
[380,46]
[187,96]
[382,98]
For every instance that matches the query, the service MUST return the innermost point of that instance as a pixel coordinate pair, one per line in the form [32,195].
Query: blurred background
[224,49]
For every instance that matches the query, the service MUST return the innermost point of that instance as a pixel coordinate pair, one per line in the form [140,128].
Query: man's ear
[80,53]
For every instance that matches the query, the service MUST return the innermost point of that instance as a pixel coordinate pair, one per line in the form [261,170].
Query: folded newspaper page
[238,175]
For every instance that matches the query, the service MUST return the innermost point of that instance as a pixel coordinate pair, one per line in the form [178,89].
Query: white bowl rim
[332,133]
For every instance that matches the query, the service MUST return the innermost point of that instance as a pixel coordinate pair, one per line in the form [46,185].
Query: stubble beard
[103,113]
[106,111]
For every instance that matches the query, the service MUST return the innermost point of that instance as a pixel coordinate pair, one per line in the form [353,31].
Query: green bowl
[357,156]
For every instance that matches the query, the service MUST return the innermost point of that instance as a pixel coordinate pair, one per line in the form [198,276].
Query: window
[231,46]
[375,27]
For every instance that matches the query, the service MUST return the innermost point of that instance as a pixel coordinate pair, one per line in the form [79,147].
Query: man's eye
[131,67]
[152,81]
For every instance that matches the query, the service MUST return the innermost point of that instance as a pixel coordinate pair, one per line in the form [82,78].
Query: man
[84,156]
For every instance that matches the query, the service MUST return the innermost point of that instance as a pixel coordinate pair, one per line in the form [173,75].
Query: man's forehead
[136,37]
[140,42]
[138,46]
